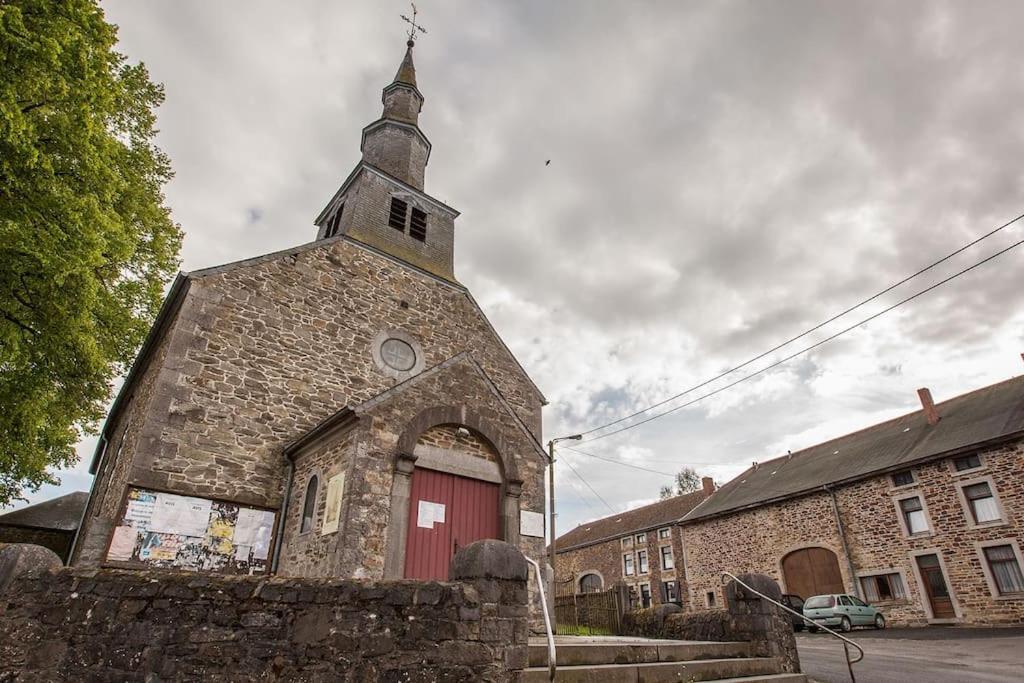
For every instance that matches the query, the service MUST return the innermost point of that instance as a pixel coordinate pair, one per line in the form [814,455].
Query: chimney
[929,406]
[709,485]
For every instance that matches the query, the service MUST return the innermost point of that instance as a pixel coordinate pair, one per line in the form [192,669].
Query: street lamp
[551,502]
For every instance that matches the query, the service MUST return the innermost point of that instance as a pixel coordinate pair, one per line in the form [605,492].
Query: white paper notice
[332,514]
[429,513]
[531,524]
[122,545]
[180,515]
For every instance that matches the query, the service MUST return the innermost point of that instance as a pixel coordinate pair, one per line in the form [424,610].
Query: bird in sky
[548,162]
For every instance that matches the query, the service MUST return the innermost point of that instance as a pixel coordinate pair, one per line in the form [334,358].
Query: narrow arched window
[309,505]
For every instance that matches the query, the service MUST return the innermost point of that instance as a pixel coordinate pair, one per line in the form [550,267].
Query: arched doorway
[591,583]
[812,571]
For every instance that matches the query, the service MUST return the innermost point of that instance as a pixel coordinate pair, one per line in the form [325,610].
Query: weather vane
[413,26]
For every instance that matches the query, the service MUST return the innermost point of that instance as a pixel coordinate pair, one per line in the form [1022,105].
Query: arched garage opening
[812,571]
[591,583]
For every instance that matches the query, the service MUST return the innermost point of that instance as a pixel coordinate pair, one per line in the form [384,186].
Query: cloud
[723,175]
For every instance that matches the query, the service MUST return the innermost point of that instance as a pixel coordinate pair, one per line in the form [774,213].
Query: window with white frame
[667,561]
[1005,569]
[913,515]
[627,542]
[670,591]
[664,534]
[641,561]
[982,503]
[645,595]
[883,587]
[641,538]
[627,564]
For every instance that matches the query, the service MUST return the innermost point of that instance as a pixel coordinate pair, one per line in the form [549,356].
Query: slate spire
[394,143]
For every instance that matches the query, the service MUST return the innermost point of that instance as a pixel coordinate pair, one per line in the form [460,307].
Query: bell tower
[382,204]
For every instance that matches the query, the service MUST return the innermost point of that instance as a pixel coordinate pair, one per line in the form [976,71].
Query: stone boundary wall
[747,617]
[118,625]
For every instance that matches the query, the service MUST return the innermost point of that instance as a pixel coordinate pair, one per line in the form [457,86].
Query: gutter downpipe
[842,538]
[105,440]
[284,510]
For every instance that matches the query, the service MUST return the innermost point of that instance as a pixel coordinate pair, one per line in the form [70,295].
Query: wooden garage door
[446,512]
[812,571]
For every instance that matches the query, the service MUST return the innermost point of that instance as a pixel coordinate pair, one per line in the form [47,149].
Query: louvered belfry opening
[396,217]
[418,225]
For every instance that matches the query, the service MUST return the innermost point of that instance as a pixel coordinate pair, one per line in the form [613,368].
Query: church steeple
[394,143]
[382,203]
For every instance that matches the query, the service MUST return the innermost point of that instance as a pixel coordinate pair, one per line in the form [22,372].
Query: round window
[398,355]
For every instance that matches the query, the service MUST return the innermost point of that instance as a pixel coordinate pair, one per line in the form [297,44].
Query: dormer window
[334,223]
[396,217]
[418,225]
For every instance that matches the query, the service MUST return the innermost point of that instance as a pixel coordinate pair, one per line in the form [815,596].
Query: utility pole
[551,502]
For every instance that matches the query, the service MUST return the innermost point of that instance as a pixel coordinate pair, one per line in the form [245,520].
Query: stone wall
[606,560]
[745,617]
[756,540]
[79,624]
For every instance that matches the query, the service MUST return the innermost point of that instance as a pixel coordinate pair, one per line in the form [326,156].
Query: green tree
[87,245]
[687,481]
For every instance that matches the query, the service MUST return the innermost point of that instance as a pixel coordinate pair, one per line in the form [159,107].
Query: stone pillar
[510,512]
[763,623]
[17,559]
[401,487]
[499,572]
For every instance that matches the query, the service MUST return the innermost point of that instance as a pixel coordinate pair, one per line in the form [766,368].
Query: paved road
[933,655]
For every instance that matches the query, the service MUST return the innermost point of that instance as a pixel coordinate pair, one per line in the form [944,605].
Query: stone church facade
[342,408]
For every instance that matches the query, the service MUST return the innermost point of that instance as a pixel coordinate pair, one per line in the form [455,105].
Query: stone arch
[462,416]
[510,487]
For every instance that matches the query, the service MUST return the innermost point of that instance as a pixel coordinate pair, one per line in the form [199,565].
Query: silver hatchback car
[842,611]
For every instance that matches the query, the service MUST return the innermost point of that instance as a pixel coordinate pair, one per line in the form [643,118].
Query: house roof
[982,417]
[62,514]
[651,516]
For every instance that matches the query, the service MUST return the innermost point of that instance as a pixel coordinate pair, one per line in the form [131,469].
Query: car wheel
[812,629]
[879,621]
[845,626]
[798,627]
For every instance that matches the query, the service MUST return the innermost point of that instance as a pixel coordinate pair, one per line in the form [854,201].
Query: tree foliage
[687,481]
[86,242]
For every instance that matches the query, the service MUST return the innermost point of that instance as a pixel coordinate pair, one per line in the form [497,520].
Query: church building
[342,408]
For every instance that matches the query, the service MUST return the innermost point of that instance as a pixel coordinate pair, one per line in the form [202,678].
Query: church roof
[61,514]
[662,513]
[968,422]
[347,413]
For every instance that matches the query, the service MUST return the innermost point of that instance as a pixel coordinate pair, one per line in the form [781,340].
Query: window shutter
[418,225]
[396,217]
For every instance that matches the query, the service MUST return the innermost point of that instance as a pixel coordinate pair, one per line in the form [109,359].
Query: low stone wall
[747,617]
[117,625]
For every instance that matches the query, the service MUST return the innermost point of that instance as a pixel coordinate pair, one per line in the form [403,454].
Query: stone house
[641,548]
[342,408]
[922,515]
[52,523]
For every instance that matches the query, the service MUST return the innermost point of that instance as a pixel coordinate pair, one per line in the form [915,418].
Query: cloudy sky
[723,176]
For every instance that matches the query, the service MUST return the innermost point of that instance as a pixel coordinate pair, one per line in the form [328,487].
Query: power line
[806,332]
[618,462]
[580,476]
[804,350]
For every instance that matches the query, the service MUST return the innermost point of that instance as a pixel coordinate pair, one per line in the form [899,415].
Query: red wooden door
[446,512]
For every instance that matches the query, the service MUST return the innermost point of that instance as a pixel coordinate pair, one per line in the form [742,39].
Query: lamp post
[551,502]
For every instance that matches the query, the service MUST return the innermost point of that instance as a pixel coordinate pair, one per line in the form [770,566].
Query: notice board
[169,531]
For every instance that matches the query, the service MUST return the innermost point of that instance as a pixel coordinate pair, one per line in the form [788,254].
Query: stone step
[745,670]
[576,654]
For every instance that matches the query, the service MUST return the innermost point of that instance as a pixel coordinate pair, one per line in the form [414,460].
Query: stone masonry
[85,624]
[756,540]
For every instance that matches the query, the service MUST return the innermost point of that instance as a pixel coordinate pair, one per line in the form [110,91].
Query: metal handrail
[547,620]
[846,649]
